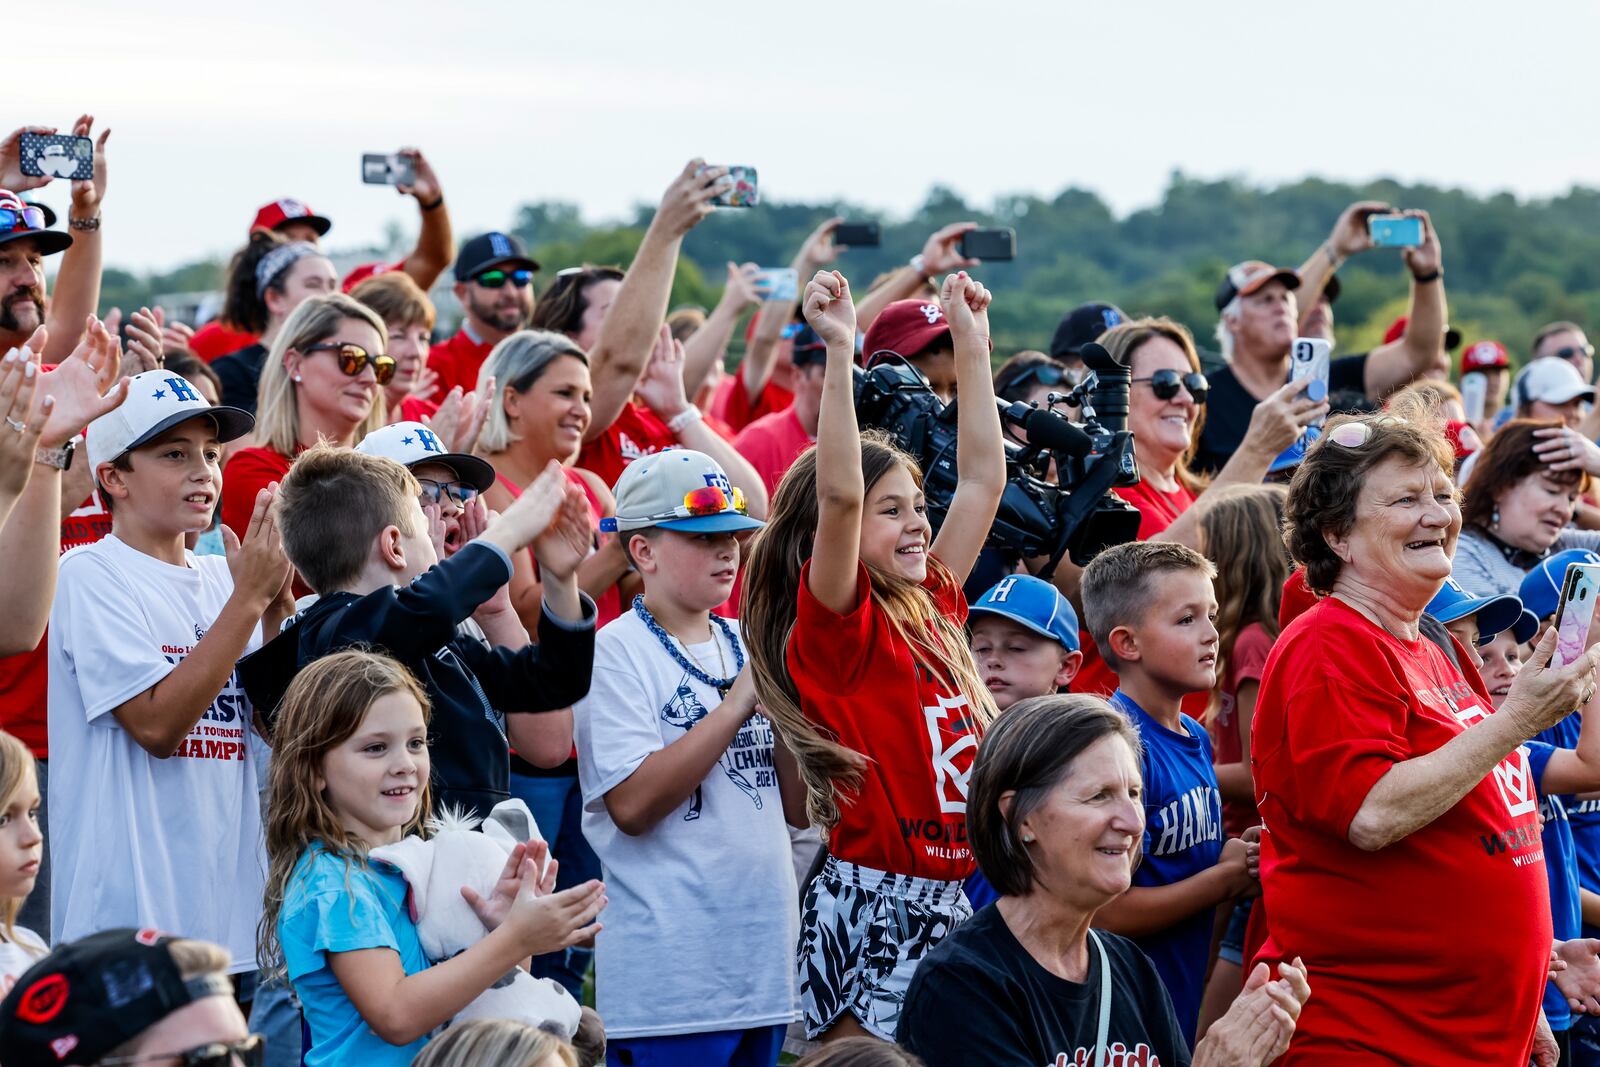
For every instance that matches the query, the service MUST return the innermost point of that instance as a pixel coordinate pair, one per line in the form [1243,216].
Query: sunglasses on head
[251,1052]
[458,493]
[496,279]
[1043,373]
[26,218]
[1356,434]
[1164,383]
[353,359]
[710,500]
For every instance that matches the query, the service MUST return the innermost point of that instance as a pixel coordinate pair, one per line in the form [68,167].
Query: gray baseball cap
[678,489]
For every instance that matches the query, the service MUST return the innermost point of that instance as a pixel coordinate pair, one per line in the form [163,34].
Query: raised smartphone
[744,192]
[380,169]
[1474,395]
[1308,363]
[57,155]
[778,283]
[989,244]
[857,235]
[1395,231]
[1575,612]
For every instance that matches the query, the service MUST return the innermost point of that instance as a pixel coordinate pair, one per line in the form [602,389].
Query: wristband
[684,419]
[919,264]
[88,225]
[435,205]
[1432,276]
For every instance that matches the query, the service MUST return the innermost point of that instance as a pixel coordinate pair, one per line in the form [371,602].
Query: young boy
[160,826]
[680,789]
[354,527]
[1150,608]
[1024,639]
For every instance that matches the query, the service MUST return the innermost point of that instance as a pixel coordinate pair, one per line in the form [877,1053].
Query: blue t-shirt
[1182,836]
[331,905]
[1582,815]
[1560,860]
[980,894]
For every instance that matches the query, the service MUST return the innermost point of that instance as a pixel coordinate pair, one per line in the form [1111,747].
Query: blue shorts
[758,1047]
[1232,946]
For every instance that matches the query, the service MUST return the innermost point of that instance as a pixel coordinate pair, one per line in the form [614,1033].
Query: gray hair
[1225,329]
[515,364]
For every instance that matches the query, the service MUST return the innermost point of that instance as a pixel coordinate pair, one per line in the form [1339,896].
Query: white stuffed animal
[435,870]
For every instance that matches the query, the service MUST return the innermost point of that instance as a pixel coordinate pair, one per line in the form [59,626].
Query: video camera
[1077,515]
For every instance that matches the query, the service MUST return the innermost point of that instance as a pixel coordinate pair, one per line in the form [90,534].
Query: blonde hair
[515,364]
[316,319]
[1241,529]
[324,706]
[771,590]
[16,767]
[500,1042]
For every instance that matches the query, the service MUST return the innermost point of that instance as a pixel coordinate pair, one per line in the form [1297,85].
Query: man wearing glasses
[494,282]
[1566,340]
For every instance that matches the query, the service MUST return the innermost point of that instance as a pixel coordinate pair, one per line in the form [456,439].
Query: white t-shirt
[172,843]
[18,955]
[701,926]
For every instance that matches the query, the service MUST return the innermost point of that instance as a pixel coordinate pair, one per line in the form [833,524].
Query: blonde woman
[496,1042]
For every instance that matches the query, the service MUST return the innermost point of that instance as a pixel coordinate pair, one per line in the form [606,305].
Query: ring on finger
[16,424]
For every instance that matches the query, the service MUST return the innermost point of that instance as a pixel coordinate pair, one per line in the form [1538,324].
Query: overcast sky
[218,107]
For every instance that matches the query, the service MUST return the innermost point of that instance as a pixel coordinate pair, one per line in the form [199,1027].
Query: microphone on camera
[1046,429]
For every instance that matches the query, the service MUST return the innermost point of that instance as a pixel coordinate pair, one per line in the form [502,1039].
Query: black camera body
[1077,515]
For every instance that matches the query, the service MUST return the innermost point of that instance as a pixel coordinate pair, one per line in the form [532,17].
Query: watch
[57,458]
[86,225]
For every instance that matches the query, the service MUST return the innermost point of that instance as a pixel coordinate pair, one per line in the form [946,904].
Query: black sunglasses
[353,359]
[496,279]
[1164,383]
[1043,373]
[250,1052]
[1572,352]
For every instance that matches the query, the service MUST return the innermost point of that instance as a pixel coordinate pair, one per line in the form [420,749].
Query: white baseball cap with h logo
[157,401]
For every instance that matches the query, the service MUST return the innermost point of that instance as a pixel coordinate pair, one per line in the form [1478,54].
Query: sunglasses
[1043,373]
[27,218]
[1569,353]
[711,500]
[496,279]
[251,1052]
[1164,383]
[1356,434]
[353,359]
[458,493]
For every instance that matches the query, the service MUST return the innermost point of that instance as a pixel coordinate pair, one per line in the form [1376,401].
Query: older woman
[1055,820]
[1402,850]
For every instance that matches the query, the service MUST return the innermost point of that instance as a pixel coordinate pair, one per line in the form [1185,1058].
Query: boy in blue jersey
[1150,608]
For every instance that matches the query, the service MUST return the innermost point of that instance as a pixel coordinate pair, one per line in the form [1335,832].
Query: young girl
[349,773]
[855,637]
[20,851]
[1241,533]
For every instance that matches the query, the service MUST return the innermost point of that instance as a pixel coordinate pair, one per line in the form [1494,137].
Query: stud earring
[297,377]
[1494,517]
[1027,839]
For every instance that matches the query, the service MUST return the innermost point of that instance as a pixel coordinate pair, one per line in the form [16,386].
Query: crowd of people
[781,764]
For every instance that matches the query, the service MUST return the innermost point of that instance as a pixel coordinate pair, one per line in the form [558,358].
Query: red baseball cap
[368,270]
[275,214]
[1484,355]
[905,328]
[1245,278]
[1397,330]
[1463,438]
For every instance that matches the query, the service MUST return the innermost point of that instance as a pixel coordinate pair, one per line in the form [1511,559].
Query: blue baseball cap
[1495,613]
[1290,457]
[1541,587]
[1034,604]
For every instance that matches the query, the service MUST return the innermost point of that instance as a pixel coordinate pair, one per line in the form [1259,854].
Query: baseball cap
[1291,457]
[278,212]
[1245,278]
[157,401]
[1551,380]
[1484,355]
[1495,613]
[1083,324]
[1034,604]
[1541,587]
[1463,438]
[905,328]
[808,347]
[89,996]
[369,270]
[30,222]
[674,490]
[411,443]
[1397,330]
[492,249]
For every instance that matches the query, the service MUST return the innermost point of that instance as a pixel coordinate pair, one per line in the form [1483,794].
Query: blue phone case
[1395,231]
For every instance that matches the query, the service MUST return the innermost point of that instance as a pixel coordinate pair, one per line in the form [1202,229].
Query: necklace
[695,671]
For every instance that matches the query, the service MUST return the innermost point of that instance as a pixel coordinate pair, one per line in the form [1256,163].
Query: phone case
[989,244]
[57,155]
[778,283]
[1474,395]
[744,192]
[1395,231]
[380,169]
[1573,617]
[858,235]
[1309,364]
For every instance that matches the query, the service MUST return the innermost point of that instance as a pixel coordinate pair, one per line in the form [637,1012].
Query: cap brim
[1026,624]
[1291,457]
[49,242]
[1289,278]
[232,424]
[1495,613]
[1566,396]
[725,522]
[476,472]
[1525,627]
[316,222]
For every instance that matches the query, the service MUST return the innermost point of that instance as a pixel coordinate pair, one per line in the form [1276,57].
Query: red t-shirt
[1245,664]
[637,432]
[859,682]
[24,678]
[1157,510]
[1434,949]
[731,401]
[249,471]
[772,443]
[456,362]
[414,408]
[214,339]
[608,605]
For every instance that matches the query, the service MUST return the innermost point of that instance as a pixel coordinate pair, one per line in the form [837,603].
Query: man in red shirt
[494,282]
[773,442]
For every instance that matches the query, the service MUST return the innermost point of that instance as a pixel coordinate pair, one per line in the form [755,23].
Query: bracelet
[1334,258]
[435,205]
[88,225]
[1432,276]
[684,419]
[919,264]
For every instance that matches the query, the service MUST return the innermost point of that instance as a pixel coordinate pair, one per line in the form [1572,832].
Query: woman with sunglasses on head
[322,381]
[267,280]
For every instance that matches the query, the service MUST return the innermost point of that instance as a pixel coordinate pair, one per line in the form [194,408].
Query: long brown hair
[771,590]
[1508,459]
[16,767]
[325,704]
[1241,530]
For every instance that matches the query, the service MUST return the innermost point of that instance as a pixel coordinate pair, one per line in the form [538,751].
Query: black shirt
[979,998]
[1229,408]
[240,374]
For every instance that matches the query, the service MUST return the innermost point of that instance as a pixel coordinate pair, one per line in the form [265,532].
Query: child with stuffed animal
[350,774]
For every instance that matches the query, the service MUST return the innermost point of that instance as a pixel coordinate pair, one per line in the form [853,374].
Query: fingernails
[30,370]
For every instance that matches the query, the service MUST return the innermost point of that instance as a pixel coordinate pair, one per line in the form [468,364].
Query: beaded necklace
[721,685]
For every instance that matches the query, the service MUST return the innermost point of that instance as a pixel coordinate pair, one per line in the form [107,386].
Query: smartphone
[1309,363]
[857,235]
[1395,231]
[1575,612]
[989,244]
[778,283]
[1474,394]
[57,155]
[379,169]
[744,192]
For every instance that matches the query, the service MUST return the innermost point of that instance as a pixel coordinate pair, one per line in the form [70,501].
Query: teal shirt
[332,906]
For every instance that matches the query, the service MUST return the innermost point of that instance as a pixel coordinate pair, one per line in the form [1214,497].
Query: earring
[1494,518]
[1027,839]
[297,377]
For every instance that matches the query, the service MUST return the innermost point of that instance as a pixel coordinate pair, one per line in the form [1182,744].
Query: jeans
[275,1014]
[35,913]
[557,806]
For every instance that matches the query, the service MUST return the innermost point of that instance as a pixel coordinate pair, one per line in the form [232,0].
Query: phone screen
[1309,363]
[1395,231]
[1474,395]
[1578,595]
[744,191]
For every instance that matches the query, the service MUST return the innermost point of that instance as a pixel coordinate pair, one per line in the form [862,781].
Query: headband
[279,260]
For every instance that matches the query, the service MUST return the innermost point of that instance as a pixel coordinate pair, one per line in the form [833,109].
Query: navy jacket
[472,685]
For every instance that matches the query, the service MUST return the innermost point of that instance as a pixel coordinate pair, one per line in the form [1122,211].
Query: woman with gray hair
[1055,820]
